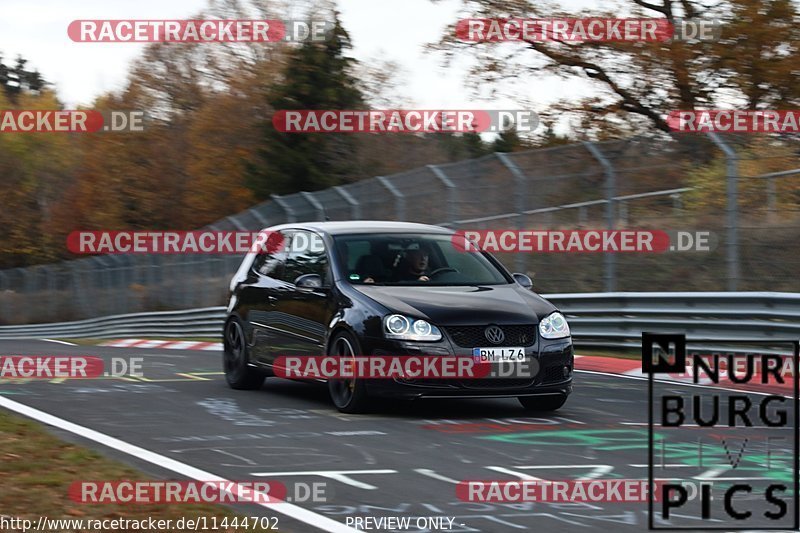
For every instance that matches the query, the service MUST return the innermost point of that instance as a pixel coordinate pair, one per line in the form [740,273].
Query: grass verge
[37,469]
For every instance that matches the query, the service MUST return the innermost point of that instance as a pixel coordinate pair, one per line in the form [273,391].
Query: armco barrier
[614,319]
[204,322]
[618,319]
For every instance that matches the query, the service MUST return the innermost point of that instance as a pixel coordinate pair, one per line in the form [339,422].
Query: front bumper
[554,360]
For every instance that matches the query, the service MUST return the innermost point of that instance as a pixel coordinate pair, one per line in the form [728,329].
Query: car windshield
[412,259]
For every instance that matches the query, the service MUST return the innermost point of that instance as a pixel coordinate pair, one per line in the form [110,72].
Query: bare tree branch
[595,72]
[663,9]
[688,9]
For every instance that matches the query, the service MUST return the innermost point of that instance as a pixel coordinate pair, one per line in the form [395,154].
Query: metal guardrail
[204,322]
[614,319]
[618,319]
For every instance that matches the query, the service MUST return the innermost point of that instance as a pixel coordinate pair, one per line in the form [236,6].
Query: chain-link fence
[739,188]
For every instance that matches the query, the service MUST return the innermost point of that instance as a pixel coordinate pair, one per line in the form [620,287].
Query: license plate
[498,355]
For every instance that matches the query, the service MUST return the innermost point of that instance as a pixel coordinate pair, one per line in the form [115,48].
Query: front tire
[542,403]
[235,358]
[348,395]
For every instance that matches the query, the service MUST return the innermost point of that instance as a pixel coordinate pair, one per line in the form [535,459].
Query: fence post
[520,204]
[210,285]
[236,224]
[355,207]
[78,294]
[677,203]
[732,210]
[5,297]
[262,222]
[623,212]
[291,216]
[101,288]
[122,286]
[609,259]
[309,197]
[452,192]
[772,200]
[582,216]
[400,206]
[771,203]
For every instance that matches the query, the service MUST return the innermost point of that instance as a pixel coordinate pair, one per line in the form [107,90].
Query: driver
[413,266]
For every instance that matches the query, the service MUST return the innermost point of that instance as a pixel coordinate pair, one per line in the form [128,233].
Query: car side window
[306,255]
[356,249]
[270,263]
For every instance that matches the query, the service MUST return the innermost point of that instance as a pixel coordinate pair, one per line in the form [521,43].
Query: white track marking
[124,343]
[288,509]
[150,344]
[211,346]
[163,344]
[180,345]
[59,342]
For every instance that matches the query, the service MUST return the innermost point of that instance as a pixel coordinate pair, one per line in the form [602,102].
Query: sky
[82,71]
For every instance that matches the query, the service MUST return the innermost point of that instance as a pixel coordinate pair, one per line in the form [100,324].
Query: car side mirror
[309,281]
[523,280]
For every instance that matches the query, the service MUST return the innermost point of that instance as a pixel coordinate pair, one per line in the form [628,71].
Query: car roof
[364,226]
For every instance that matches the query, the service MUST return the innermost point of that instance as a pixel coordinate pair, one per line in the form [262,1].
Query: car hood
[463,306]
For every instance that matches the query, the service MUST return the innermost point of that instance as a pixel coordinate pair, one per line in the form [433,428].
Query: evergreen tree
[317,77]
[474,145]
[17,80]
[551,138]
[508,141]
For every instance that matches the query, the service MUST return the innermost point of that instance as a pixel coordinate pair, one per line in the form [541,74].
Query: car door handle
[272,299]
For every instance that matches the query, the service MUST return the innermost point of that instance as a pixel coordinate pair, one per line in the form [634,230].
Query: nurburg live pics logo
[743,446]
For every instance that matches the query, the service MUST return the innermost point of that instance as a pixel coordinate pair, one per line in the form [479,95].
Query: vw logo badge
[494,334]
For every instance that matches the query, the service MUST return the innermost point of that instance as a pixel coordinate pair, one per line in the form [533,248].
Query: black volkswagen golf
[373,288]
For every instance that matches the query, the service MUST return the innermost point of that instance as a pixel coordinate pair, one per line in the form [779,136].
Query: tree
[18,80]
[635,84]
[317,76]
[474,145]
[186,169]
[507,141]
[35,169]
[551,138]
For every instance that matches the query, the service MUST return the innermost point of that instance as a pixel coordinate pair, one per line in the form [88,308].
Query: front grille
[496,383]
[474,336]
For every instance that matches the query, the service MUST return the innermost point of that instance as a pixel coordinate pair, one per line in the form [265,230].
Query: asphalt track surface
[402,460]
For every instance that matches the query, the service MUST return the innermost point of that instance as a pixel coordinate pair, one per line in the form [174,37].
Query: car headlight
[554,326]
[410,329]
